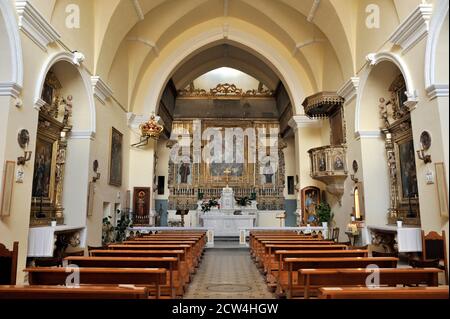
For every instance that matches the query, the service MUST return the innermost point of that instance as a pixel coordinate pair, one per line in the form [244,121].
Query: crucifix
[227,173]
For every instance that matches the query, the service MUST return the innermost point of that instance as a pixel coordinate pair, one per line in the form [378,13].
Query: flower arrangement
[243,201]
[207,205]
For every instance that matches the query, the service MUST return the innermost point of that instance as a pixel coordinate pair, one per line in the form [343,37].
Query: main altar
[227,220]
[247,190]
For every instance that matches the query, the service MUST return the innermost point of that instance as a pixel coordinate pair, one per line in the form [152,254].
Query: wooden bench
[295,264]
[175,281]
[385,293]
[191,260]
[316,278]
[267,257]
[8,264]
[82,292]
[149,277]
[281,254]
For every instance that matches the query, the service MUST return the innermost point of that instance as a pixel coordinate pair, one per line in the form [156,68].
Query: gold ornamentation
[225,90]
[151,129]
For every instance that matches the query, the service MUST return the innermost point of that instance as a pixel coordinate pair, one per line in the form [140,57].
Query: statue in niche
[185,172]
[268,172]
[322,164]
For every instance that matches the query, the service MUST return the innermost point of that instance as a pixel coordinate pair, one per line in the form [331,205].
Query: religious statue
[310,205]
[184,171]
[268,173]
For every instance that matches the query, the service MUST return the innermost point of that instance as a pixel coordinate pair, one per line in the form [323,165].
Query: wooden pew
[385,293]
[179,254]
[267,257]
[191,260]
[149,277]
[282,254]
[316,278]
[82,292]
[175,281]
[295,264]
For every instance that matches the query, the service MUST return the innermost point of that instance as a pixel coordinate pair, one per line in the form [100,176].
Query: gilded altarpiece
[396,117]
[260,175]
[50,154]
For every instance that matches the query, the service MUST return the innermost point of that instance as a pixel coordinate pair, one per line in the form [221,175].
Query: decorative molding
[312,12]
[302,121]
[414,28]
[138,9]
[225,91]
[152,45]
[34,25]
[39,103]
[10,89]
[82,135]
[78,58]
[412,101]
[349,90]
[101,90]
[437,90]
[361,135]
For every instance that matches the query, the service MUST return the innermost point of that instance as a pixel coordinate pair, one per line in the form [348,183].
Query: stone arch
[373,61]
[435,56]
[11,62]
[236,37]
[76,82]
[86,81]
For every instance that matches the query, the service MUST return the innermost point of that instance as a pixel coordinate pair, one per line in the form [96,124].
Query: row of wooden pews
[302,266]
[151,266]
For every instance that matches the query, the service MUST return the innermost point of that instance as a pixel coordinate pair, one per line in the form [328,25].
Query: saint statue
[310,206]
[268,173]
[184,171]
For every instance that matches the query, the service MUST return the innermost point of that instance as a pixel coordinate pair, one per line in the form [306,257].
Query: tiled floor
[228,274]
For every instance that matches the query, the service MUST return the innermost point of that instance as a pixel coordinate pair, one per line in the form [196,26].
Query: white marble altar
[225,225]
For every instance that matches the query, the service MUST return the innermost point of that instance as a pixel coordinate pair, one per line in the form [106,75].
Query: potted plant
[243,201]
[207,205]
[324,214]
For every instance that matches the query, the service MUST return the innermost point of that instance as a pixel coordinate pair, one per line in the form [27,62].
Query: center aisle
[228,274]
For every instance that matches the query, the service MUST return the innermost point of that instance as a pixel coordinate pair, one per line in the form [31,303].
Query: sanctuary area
[224,149]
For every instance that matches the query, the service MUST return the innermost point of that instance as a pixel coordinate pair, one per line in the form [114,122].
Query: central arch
[244,40]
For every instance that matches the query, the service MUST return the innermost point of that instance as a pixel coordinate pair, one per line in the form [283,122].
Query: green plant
[207,205]
[122,225]
[324,214]
[243,201]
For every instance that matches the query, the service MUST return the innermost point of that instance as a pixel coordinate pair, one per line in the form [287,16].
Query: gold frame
[7,188]
[441,187]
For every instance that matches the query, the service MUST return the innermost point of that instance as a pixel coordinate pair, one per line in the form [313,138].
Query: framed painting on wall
[442,189]
[90,201]
[7,188]
[141,203]
[115,166]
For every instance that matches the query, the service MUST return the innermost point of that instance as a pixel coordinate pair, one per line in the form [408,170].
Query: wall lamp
[425,141]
